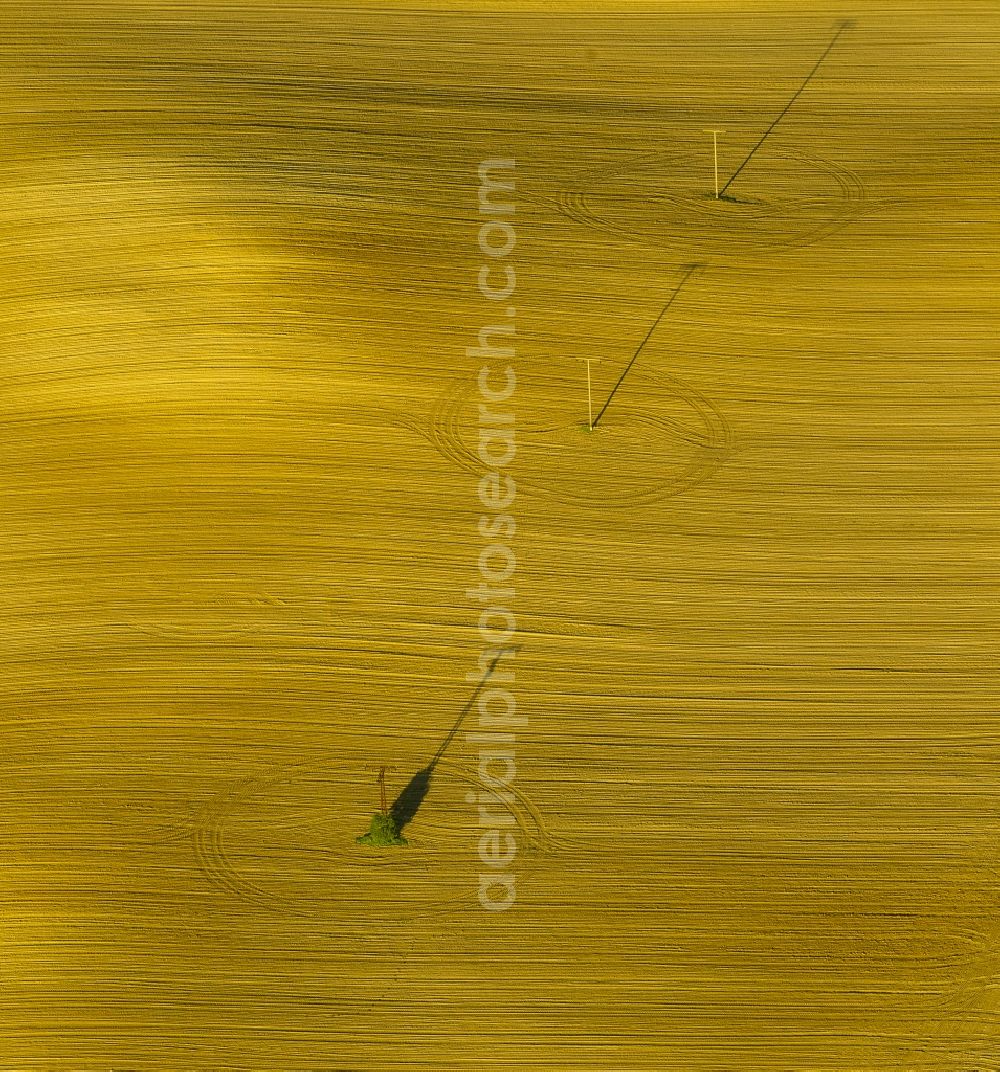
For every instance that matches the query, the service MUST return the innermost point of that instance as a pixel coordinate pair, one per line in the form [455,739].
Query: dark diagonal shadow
[689,270]
[407,804]
[847,24]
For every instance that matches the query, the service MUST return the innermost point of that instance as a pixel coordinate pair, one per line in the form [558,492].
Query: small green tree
[382,831]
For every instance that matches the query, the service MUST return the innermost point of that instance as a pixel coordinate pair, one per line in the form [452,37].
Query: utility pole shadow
[689,270]
[407,804]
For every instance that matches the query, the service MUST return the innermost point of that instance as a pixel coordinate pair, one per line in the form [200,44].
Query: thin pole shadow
[690,269]
[846,24]
[406,805]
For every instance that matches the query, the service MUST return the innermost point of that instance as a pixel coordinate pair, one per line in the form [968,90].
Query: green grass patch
[382,831]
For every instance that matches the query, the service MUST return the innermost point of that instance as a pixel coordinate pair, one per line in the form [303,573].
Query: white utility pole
[590,400]
[715,132]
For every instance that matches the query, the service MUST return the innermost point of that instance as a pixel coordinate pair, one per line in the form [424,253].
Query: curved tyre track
[661,201]
[663,420]
[387,887]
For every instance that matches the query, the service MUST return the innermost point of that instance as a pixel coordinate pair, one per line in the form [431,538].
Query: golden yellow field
[756,797]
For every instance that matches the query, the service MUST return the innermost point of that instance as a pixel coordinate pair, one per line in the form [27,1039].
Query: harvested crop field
[688,719]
